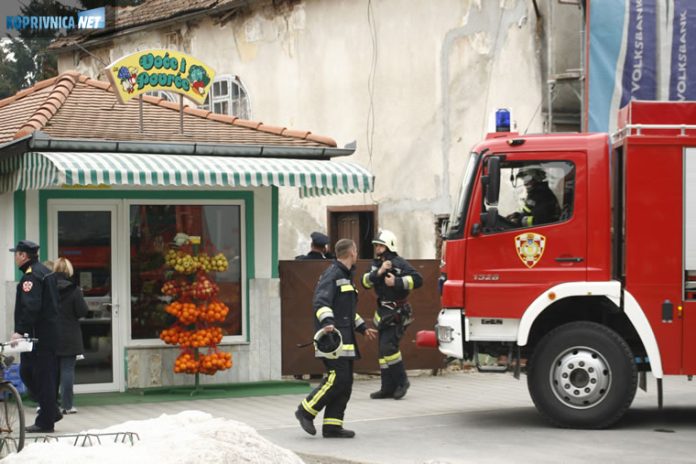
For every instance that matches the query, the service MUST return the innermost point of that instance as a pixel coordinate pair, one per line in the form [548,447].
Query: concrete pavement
[454,418]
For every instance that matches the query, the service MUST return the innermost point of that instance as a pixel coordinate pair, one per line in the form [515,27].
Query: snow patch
[187,437]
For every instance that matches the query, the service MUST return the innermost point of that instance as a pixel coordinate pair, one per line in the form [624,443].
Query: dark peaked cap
[27,246]
[319,238]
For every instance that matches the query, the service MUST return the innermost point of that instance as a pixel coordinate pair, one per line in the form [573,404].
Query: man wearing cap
[319,246]
[334,303]
[36,316]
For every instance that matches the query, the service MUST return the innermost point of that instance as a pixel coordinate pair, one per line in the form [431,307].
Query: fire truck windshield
[455,227]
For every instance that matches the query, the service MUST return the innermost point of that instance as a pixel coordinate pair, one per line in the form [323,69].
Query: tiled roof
[74,106]
[149,11]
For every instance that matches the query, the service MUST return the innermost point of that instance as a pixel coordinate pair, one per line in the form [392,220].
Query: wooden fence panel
[297,282]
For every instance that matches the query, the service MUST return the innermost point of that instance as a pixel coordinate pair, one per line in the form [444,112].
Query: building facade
[140,197]
[415,84]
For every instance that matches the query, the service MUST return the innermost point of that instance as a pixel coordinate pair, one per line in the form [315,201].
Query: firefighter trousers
[332,394]
[391,364]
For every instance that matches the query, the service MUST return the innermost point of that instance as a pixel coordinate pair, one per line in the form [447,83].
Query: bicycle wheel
[11,420]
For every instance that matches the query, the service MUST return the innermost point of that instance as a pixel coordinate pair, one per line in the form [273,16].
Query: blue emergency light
[502,120]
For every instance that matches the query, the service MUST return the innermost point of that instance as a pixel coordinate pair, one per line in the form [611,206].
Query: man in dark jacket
[36,316]
[393,278]
[334,303]
[541,205]
[72,308]
[319,247]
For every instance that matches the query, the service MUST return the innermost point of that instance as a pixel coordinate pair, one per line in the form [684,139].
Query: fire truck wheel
[582,375]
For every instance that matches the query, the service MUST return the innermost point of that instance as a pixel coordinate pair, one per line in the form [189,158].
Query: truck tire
[582,375]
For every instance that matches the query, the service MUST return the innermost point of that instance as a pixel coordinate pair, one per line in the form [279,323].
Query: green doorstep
[183,393]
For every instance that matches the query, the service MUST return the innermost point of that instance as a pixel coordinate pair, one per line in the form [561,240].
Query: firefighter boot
[401,390]
[332,431]
[306,423]
[388,385]
[401,381]
[380,394]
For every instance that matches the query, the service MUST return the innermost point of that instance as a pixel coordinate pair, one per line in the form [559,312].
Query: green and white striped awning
[38,170]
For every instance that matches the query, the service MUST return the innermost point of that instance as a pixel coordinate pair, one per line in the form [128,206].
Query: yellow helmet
[388,239]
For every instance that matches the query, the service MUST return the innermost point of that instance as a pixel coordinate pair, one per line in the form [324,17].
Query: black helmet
[531,174]
[328,343]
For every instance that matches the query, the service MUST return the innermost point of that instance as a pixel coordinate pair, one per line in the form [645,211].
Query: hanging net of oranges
[194,304]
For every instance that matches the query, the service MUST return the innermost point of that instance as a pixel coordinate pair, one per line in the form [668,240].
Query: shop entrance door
[86,234]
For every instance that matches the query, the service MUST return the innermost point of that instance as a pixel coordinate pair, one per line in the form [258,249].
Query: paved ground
[455,418]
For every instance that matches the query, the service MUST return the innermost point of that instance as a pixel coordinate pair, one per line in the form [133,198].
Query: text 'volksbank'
[88,19]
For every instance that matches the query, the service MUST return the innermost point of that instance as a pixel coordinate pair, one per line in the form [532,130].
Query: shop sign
[167,70]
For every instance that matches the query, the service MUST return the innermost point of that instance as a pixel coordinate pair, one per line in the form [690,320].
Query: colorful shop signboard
[167,70]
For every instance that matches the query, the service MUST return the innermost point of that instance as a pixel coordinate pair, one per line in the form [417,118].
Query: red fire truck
[577,253]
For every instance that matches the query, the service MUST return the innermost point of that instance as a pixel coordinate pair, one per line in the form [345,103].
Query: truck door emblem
[530,248]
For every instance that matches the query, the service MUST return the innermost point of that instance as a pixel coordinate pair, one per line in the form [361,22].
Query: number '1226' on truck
[577,252]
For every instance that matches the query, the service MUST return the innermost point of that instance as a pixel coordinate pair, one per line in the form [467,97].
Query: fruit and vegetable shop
[169,214]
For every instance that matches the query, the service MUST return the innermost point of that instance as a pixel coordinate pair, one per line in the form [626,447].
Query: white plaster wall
[440,70]
[262,232]
[7,265]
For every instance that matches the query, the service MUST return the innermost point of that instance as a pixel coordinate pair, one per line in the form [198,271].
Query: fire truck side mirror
[491,180]
[488,219]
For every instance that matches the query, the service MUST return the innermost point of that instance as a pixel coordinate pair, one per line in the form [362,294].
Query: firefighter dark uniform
[36,314]
[334,303]
[393,315]
[541,205]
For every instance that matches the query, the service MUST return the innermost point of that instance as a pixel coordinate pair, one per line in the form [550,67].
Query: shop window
[357,223]
[228,96]
[153,228]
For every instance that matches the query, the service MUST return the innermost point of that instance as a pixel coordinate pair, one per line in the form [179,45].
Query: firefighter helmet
[328,343]
[531,175]
[388,239]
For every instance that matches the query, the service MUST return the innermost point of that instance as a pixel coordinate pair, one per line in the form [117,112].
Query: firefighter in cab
[393,278]
[540,206]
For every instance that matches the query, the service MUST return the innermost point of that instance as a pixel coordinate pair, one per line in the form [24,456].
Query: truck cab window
[455,226]
[534,193]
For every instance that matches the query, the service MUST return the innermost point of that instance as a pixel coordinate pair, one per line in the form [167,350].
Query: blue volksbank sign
[88,19]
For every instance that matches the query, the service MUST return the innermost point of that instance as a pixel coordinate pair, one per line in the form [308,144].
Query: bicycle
[11,409]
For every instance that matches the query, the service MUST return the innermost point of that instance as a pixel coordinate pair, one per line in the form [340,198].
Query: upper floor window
[228,96]
[168,96]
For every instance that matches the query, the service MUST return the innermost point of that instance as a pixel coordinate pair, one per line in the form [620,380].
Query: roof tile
[45,83]
[168,104]
[196,111]
[148,11]
[321,139]
[98,84]
[222,118]
[8,100]
[271,129]
[66,105]
[300,134]
[247,123]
